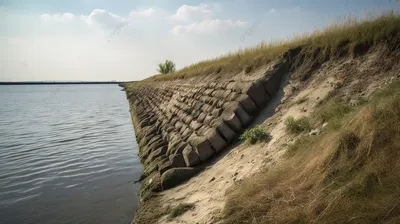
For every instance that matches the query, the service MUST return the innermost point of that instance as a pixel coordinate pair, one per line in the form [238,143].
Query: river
[68,154]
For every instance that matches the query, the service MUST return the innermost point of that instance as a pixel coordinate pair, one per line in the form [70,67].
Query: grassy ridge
[349,37]
[349,174]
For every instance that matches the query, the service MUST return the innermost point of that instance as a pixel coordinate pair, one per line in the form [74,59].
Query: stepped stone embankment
[181,124]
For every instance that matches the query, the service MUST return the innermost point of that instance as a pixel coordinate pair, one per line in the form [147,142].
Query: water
[68,154]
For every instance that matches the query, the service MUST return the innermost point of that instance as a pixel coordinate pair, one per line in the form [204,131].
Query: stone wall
[182,124]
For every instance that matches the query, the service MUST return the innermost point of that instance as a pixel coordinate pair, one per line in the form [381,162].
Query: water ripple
[67,155]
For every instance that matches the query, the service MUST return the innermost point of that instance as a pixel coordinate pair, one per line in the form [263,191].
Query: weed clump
[298,126]
[254,135]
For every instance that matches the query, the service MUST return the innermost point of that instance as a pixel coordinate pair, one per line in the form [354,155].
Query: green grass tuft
[254,135]
[294,126]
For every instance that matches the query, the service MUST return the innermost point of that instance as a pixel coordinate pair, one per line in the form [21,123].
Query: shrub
[166,67]
[297,126]
[254,135]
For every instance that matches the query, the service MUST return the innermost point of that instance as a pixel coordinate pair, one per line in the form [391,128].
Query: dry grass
[180,209]
[348,175]
[350,36]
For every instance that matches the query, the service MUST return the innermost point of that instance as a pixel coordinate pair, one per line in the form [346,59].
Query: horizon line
[60,82]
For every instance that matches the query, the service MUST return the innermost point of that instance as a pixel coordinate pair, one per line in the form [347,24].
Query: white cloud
[143,12]
[97,16]
[187,12]
[57,18]
[103,18]
[272,10]
[207,26]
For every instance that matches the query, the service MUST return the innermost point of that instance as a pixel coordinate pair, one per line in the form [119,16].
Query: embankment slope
[186,121]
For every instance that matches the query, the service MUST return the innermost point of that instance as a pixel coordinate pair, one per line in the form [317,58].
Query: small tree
[166,67]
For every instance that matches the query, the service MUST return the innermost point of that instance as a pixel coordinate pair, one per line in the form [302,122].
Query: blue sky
[125,39]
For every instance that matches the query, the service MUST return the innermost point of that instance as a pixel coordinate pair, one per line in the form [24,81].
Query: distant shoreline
[63,83]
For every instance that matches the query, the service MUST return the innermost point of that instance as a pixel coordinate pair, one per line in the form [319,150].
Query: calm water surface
[68,154]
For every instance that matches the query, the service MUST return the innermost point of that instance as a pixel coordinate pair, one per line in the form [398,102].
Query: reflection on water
[68,154]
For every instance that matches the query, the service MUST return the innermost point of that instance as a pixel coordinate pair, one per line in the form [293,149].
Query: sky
[124,40]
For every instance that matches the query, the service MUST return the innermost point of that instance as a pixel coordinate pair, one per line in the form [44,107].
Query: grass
[301,100]
[336,111]
[345,175]
[254,135]
[298,126]
[333,111]
[150,212]
[301,144]
[347,37]
[180,209]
